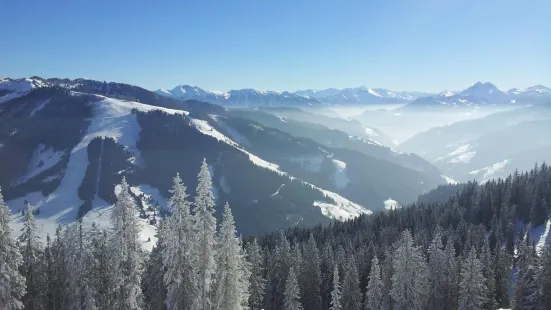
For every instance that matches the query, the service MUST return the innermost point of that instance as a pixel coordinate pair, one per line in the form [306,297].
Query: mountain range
[275,171]
[477,94]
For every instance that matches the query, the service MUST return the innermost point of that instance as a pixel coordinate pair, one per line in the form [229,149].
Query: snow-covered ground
[112,118]
[42,159]
[391,204]
[542,235]
[449,180]
[18,87]
[461,155]
[489,171]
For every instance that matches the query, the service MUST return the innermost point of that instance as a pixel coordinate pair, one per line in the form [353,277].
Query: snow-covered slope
[238,98]
[13,88]
[360,95]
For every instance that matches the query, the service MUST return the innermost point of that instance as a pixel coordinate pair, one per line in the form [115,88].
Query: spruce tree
[257,283]
[232,275]
[451,281]
[204,225]
[31,251]
[437,274]
[126,252]
[153,286]
[410,278]
[374,293]
[488,272]
[544,278]
[311,278]
[291,299]
[336,292]
[351,295]
[12,284]
[101,267]
[177,250]
[472,288]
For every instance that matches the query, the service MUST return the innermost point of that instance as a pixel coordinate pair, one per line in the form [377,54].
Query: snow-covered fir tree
[351,295]
[502,270]
[292,294]
[126,252]
[544,279]
[154,289]
[232,275]
[374,291]
[451,281]
[410,275]
[178,241]
[32,268]
[279,263]
[78,261]
[472,288]
[336,292]
[310,276]
[204,225]
[101,267]
[437,274]
[257,283]
[489,275]
[12,283]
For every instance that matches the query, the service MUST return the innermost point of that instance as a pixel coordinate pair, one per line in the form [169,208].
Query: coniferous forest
[464,247]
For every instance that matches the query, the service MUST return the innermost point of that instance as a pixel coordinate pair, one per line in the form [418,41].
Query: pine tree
[311,278]
[31,250]
[437,274]
[277,271]
[153,286]
[472,288]
[126,252]
[351,295]
[451,282]
[291,300]
[205,230]
[177,251]
[488,272]
[101,267]
[502,267]
[12,284]
[233,272]
[336,292]
[257,283]
[410,278]
[78,261]
[374,293]
[544,278]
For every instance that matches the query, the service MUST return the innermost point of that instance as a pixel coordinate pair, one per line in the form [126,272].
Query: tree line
[473,251]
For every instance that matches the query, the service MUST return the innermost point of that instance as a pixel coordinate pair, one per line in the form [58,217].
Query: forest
[474,248]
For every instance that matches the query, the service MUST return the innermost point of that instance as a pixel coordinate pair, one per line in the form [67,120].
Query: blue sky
[426,45]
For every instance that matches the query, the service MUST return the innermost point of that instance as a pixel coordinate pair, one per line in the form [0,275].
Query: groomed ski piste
[113,118]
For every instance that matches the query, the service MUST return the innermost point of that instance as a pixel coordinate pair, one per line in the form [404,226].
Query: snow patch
[43,158]
[277,191]
[490,170]
[545,238]
[370,132]
[391,204]
[40,107]
[449,180]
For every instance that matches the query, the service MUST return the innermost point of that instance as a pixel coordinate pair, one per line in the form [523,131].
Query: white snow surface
[18,88]
[40,107]
[460,155]
[391,204]
[112,118]
[449,180]
[490,170]
[43,158]
[545,237]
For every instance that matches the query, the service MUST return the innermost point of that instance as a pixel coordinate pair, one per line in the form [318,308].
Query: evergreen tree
[177,250]
[409,281]
[257,283]
[544,279]
[472,288]
[153,286]
[233,272]
[502,267]
[292,295]
[205,230]
[12,284]
[374,293]
[126,252]
[31,251]
[351,295]
[451,282]
[101,267]
[311,278]
[437,274]
[277,273]
[488,273]
[336,292]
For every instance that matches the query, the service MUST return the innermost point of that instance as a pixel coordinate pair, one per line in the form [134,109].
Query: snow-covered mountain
[360,95]
[239,98]
[482,94]
[272,179]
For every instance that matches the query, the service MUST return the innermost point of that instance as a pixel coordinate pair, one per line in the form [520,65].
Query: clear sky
[426,45]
